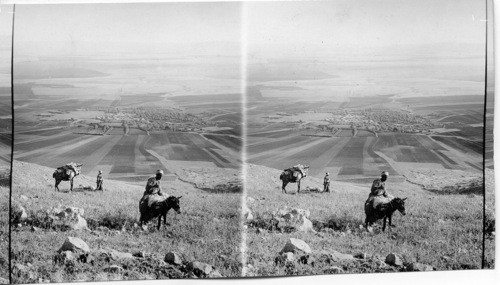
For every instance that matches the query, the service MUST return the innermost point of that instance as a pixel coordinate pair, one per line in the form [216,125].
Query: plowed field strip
[145,163]
[276,143]
[445,157]
[122,155]
[319,164]
[474,166]
[351,157]
[281,152]
[227,141]
[58,145]
[89,154]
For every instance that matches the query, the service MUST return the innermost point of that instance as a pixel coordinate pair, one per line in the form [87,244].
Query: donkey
[66,173]
[292,175]
[158,209]
[383,211]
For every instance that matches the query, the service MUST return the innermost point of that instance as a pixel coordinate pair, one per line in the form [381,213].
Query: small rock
[144,227]
[333,270]
[24,198]
[361,255]
[288,256]
[260,231]
[393,259]
[199,268]
[140,254]
[215,274]
[296,245]
[191,275]
[66,255]
[173,258]
[35,229]
[74,244]
[114,269]
[338,256]
[416,266]
[114,254]
[17,213]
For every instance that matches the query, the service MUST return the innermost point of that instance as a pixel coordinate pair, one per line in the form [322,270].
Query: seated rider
[153,184]
[378,186]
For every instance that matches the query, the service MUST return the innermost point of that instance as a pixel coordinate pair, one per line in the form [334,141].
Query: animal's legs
[383,226]
[390,222]
[57,184]
[283,187]
[71,185]
[159,222]
[298,186]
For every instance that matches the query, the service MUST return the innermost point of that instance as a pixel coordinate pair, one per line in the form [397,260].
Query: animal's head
[399,204]
[173,202]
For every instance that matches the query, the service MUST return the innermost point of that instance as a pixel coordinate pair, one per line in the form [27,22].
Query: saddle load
[70,167]
[296,172]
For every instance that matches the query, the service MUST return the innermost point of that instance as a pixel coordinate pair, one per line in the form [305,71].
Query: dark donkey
[66,173]
[158,209]
[383,211]
[287,176]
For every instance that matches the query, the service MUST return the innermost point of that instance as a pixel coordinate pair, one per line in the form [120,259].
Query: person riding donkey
[378,193]
[153,184]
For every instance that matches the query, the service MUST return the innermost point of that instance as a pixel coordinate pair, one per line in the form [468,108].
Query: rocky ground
[322,233]
[95,236]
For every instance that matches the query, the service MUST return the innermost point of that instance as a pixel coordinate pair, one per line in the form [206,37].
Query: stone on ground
[200,269]
[74,244]
[393,259]
[114,269]
[173,258]
[294,218]
[296,246]
[416,266]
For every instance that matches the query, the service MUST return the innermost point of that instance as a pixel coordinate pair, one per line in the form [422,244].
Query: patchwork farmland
[126,157]
[357,154]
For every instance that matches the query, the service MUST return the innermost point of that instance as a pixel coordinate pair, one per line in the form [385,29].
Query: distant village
[368,120]
[145,119]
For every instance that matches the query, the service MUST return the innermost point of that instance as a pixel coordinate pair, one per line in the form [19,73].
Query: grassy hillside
[441,230]
[207,230]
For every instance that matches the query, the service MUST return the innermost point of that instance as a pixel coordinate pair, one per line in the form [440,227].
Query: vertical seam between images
[11,140]
[483,263]
[243,74]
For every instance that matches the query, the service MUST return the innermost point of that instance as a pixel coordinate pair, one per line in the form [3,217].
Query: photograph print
[127,151]
[230,139]
[365,144]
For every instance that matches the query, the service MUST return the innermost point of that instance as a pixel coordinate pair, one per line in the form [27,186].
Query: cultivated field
[205,231]
[121,156]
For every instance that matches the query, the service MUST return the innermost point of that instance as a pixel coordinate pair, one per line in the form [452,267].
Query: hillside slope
[442,230]
[207,230]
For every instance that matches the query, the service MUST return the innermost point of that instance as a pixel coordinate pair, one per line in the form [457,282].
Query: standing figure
[326,183]
[99,181]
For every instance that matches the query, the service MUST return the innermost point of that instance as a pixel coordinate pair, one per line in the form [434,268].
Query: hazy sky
[362,24]
[88,28]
